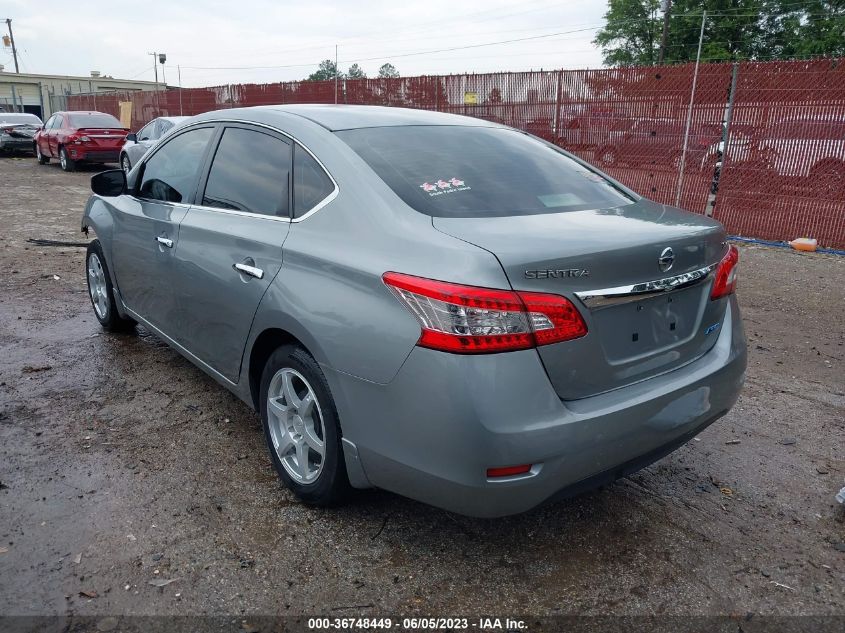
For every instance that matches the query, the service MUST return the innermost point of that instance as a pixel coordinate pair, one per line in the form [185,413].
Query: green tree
[734,29]
[326,71]
[631,34]
[356,72]
[388,71]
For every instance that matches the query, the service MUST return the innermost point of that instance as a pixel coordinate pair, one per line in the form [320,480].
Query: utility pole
[155,66]
[12,40]
[336,71]
[179,75]
[667,10]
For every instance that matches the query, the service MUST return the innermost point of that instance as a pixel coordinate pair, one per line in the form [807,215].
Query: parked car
[76,137]
[659,141]
[17,130]
[431,304]
[137,145]
[811,147]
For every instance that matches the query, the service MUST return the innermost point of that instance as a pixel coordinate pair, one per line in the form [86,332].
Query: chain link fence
[758,145]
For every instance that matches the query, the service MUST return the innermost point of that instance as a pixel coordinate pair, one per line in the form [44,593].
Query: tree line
[733,30]
[327,71]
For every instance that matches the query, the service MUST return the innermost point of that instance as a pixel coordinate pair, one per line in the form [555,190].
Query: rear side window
[311,184]
[146,133]
[94,120]
[455,171]
[171,173]
[250,172]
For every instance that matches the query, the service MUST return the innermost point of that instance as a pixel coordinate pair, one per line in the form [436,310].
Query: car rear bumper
[435,429]
[95,156]
[9,143]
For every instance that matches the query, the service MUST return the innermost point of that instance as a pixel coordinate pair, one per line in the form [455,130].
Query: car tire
[66,162]
[607,156]
[42,160]
[101,291]
[828,178]
[301,423]
[125,165]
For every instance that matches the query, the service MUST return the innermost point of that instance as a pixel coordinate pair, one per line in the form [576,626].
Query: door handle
[252,271]
[165,242]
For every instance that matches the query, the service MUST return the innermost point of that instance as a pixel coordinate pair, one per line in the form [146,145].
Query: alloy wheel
[97,286]
[296,425]
[124,163]
[63,159]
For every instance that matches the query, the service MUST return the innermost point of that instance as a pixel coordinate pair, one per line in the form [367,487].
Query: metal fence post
[719,170]
[689,111]
[556,130]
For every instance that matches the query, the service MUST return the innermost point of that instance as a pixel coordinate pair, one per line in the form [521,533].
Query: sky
[217,42]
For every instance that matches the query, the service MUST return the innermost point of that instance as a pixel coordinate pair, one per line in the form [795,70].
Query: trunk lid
[20,130]
[104,138]
[630,338]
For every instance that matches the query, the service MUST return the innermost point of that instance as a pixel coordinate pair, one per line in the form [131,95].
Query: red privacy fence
[758,145]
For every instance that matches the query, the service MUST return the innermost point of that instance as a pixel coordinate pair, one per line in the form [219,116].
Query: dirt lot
[122,464]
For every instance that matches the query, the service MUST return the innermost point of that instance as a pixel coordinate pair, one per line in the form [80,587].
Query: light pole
[162,57]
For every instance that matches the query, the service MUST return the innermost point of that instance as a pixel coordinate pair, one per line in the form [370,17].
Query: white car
[811,147]
[138,144]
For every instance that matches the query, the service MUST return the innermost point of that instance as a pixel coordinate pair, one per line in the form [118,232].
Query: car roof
[82,112]
[349,117]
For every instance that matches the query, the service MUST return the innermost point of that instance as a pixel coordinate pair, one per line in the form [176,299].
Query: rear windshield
[19,118]
[94,120]
[455,171]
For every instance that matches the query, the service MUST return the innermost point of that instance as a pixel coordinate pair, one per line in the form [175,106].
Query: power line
[410,54]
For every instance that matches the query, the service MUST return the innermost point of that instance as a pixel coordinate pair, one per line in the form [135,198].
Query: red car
[74,137]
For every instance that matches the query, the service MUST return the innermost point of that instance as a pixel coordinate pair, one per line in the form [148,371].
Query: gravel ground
[122,465]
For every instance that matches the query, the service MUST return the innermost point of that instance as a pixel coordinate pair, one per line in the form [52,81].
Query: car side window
[162,127]
[311,184]
[57,123]
[171,172]
[49,123]
[147,132]
[250,172]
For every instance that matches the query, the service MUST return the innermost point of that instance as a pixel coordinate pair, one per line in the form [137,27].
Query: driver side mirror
[132,137]
[109,183]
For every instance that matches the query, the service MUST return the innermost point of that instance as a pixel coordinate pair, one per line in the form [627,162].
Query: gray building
[44,94]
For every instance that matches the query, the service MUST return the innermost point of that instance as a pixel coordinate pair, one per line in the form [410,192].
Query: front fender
[98,216]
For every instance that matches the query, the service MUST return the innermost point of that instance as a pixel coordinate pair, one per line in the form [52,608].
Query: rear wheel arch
[262,348]
[828,163]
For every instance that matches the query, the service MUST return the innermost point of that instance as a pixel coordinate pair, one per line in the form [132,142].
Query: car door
[43,136]
[146,230]
[230,244]
[53,136]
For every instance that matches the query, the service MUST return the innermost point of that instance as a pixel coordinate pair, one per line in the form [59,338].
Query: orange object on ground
[804,244]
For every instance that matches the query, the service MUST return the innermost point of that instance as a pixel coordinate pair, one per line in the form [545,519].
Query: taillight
[473,320]
[725,281]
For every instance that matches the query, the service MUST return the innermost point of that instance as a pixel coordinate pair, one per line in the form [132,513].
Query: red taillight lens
[725,282]
[508,471]
[472,320]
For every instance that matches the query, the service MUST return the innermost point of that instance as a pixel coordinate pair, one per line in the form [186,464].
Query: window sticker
[560,200]
[440,187]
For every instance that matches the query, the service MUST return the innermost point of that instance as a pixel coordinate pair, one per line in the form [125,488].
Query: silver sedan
[431,304]
[138,144]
